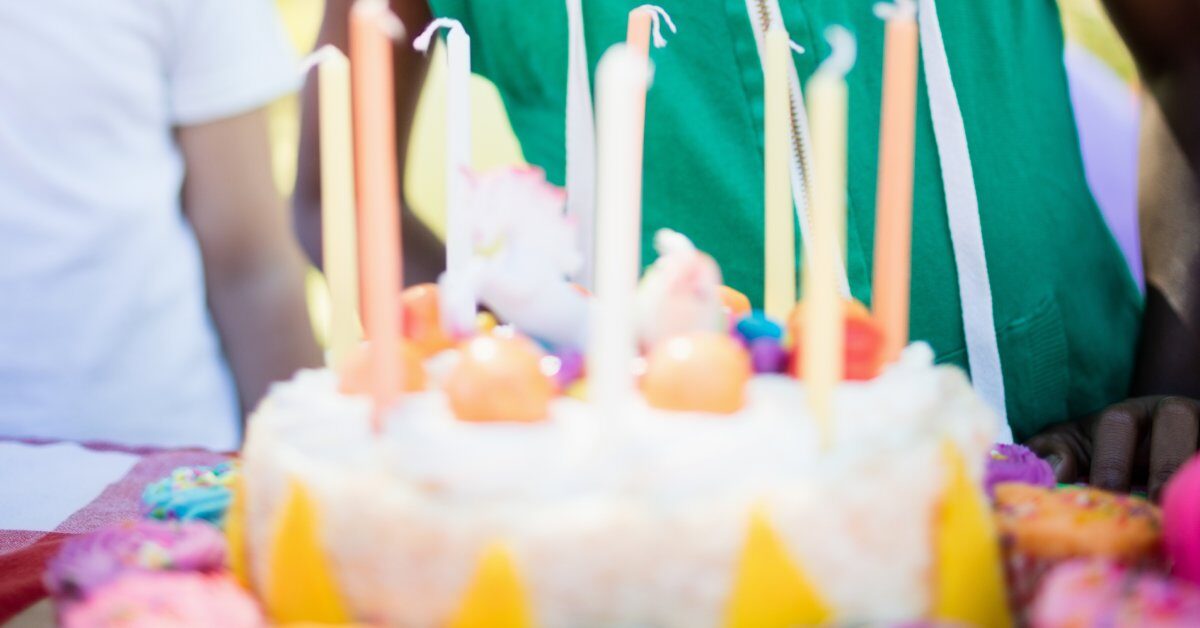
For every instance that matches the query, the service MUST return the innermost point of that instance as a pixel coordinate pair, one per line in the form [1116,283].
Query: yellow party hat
[235,533]
[969,576]
[495,598]
[300,586]
[770,590]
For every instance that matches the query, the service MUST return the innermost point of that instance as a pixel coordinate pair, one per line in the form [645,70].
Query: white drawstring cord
[962,208]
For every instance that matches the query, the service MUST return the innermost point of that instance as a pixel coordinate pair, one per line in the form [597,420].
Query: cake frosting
[160,600]
[192,493]
[636,518]
[88,562]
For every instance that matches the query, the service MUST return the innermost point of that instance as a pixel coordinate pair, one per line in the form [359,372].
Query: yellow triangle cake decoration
[769,589]
[495,597]
[969,574]
[235,533]
[300,586]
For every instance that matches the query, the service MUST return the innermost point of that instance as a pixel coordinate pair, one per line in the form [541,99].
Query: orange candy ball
[499,378]
[422,323]
[864,342]
[703,372]
[356,372]
[736,304]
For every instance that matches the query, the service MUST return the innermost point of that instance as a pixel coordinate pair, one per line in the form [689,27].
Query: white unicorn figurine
[680,292]
[523,250]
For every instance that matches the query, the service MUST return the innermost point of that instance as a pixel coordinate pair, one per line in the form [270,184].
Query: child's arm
[424,256]
[1164,37]
[254,271]
[1147,438]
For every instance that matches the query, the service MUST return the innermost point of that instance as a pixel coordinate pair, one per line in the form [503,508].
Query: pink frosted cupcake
[166,600]
[1040,528]
[1102,593]
[90,561]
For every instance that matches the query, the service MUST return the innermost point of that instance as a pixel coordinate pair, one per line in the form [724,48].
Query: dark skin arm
[424,255]
[253,269]
[1145,439]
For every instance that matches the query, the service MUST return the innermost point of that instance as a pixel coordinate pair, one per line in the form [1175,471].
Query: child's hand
[1148,437]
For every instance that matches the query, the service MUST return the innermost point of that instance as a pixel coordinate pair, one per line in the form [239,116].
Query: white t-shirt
[104,330]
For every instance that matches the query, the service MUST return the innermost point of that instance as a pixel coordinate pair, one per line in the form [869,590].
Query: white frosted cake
[637,519]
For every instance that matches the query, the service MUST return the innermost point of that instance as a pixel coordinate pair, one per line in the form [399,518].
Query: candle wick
[844,52]
[319,56]
[384,18]
[658,15]
[425,39]
[895,10]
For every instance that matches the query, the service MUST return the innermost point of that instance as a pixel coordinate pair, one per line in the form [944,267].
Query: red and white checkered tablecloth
[23,553]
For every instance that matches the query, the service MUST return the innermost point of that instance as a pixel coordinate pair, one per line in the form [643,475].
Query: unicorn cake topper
[523,249]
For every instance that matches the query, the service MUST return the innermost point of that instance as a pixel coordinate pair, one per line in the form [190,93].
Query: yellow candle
[824,326]
[372,27]
[780,245]
[338,222]
[893,211]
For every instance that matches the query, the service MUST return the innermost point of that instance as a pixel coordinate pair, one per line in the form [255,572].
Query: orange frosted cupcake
[1041,527]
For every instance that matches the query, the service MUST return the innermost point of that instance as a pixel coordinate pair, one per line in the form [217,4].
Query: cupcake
[166,600]
[1042,527]
[1102,593]
[88,562]
[1016,463]
[1181,521]
[192,493]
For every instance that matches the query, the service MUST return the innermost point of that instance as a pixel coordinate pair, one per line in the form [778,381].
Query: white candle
[621,82]
[461,308]
[339,223]
[824,325]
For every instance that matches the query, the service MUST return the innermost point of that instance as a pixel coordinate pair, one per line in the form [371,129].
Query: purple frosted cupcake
[90,561]
[1016,463]
[156,600]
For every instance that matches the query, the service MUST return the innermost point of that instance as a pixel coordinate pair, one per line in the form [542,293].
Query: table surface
[24,550]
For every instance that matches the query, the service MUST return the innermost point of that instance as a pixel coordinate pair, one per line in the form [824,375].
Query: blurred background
[1095,48]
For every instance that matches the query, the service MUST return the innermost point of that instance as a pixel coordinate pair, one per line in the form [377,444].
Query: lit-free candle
[372,30]
[824,308]
[339,241]
[779,262]
[894,196]
[459,310]
[621,82]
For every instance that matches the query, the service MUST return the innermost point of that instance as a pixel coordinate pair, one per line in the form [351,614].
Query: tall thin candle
[338,218]
[621,82]
[459,310]
[894,196]
[824,326]
[779,228]
[372,29]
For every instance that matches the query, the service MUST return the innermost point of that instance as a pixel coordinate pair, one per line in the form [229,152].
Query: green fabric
[1066,309]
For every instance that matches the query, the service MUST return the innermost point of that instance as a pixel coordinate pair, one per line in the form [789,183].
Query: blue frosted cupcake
[192,493]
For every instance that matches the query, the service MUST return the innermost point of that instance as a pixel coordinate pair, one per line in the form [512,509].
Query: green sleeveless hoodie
[1066,309]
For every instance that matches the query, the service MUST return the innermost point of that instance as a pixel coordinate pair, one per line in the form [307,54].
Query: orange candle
[894,196]
[372,28]
[637,36]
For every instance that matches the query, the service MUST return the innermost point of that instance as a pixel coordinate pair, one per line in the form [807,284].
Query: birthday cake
[498,486]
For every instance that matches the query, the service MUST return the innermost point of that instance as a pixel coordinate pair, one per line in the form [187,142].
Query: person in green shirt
[1066,314]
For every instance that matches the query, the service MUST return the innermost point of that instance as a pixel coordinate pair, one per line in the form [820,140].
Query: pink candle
[371,30]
